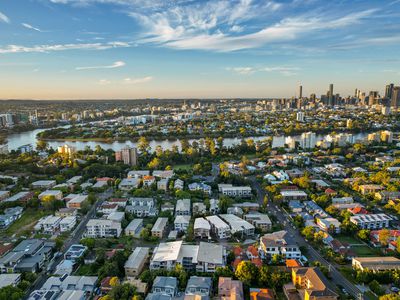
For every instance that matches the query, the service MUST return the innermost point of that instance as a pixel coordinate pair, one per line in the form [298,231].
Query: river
[29,137]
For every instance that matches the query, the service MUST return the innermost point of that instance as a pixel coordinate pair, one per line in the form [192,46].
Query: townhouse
[181,223]
[238,225]
[100,228]
[218,227]
[142,207]
[278,243]
[136,261]
[235,191]
[293,195]
[183,207]
[259,220]
[371,221]
[160,228]
[202,228]
[376,264]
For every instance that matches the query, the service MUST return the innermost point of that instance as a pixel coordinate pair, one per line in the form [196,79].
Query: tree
[390,297]
[42,145]
[363,234]
[246,272]
[384,235]
[224,203]
[143,144]
[376,288]
[114,281]
[308,232]
[122,292]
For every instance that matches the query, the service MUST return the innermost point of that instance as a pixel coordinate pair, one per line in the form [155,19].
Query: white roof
[217,222]
[236,223]
[293,193]
[137,257]
[167,251]
[160,224]
[182,219]
[50,193]
[8,279]
[201,223]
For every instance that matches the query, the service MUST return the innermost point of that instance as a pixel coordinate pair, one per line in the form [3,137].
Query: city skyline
[105,49]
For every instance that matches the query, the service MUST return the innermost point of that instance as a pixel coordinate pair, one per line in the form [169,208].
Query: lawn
[186,167]
[364,251]
[348,239]
[26,222]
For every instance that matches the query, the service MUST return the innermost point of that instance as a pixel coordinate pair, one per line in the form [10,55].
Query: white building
[278,243]
[234,191]
[238,225]
[308,140]
[100,228]
[183,207]
[181,223]
[219,227]
[202,228]
[67,223]
[48,225]
[371,221]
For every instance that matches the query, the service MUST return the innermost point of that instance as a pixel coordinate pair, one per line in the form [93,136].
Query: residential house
[293,195]
[142,207]
[371,221]
[181,223]
[201,286]
[259,220]
[235,191]
[136,261]
[376,264]
[50,195]
[128,184]
[183,207]
[179,184]
[100,228]
[330,225]
[229,289]
[148,180]
[162,185]
[278,243]
[218,227]
[312,284]
[238,225]
[165,286]
[160,228]
[134,228]
[202,228]
[67,223]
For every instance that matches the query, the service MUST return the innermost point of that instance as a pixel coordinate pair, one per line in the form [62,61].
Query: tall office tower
[308,140]
[128,155]
[395,97]
[330,95]
[300,116]
[313,97]
[389,91]
[373,96]
[300,91]
[356,93]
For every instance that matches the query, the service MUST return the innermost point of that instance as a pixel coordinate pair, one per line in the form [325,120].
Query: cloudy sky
[72,49]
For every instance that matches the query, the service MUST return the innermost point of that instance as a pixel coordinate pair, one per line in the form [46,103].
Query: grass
[26,222]
[348,239]
[364,251]
[85,270]
[371,295]
[186,167]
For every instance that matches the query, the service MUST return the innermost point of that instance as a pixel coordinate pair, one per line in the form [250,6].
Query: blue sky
[71,49]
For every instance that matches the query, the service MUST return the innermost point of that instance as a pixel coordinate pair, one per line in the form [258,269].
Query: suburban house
[136,261]
[278,243]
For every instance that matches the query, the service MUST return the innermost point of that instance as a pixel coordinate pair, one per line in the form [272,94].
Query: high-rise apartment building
[128,155]
[389,91]
[395,102]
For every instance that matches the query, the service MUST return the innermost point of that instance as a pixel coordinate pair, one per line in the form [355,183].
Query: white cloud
[242,70]
[220,25]
[26,25]
[104,82]
[117,64]
[4,18]
[61,47]
[138,80]
[283,70]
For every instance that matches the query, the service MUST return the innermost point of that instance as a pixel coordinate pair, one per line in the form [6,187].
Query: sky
[127,49]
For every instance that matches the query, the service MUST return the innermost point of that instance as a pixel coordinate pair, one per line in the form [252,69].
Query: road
[75,237]
[312,254]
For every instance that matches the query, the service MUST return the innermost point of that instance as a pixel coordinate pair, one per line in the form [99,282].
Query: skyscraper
[389,91]
[395,97]
[127,155]
[300,91]
[330,96]
[373,95]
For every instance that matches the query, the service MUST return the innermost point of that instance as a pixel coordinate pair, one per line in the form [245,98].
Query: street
[312,254]
[75,237]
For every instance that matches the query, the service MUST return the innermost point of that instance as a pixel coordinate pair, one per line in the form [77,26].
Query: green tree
[384,235]
[246,272]
[143,144]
